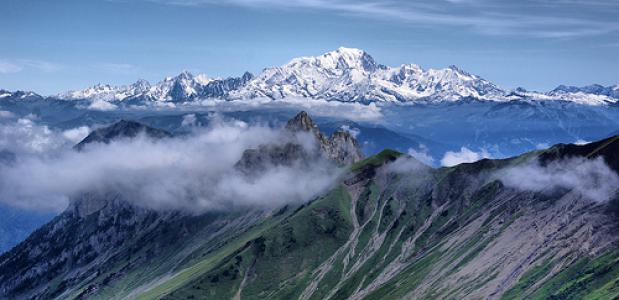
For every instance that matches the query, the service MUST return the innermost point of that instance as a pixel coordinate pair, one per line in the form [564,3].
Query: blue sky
[52,46]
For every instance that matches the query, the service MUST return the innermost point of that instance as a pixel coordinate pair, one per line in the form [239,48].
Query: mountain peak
[341,147]
[185,75]
[355,52]
[352,58]
[301,122]
[340,59]
[459,70]
[141,85]
[121,129]
[19,94]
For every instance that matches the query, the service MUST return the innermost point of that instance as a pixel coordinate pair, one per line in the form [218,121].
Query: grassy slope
[277,259]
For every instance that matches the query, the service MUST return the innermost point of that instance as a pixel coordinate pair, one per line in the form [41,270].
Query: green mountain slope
[391,228]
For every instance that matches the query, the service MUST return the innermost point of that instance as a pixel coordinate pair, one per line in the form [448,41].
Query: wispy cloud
[116,67]
[533,18]
[8,66]
[593,179]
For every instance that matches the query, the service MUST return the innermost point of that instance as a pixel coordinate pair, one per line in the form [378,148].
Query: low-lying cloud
[102,105]
[24,136]
[352,130]
[408,164]
[354,111]
[592,178]
[194,172]
[465,155]
[422,153]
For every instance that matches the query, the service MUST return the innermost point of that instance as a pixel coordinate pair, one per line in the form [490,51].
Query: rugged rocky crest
[341,147]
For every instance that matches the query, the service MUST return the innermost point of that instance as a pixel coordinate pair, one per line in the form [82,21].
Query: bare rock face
[303,122]
[259,160]
[340,147]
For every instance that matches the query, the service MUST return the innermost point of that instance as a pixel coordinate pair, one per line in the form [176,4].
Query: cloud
[581,142]
[115,67]
[8,66]
[465,155]
[353,131]
[351,111]
[193,172]
[26,137]
[316,107]
[101,105]
[408,164]
[40,65]
[591,178]
[75,135]
[4,114]
[537,18]
[422,154]
[189,120]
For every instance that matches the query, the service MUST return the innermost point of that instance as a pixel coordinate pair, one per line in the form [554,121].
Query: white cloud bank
[102,105]
[422,154]
[194,172]
[591,178]
[353,111]
[465,155]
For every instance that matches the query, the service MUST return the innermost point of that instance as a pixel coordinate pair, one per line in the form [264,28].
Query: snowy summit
[346,74]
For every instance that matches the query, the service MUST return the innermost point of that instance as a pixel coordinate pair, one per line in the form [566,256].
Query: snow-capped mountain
[18,95]
[345,74]
[184,87]
[181,86]
[108,93]
[352,75]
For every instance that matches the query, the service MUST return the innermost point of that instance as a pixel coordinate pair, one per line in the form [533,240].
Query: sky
[53,46]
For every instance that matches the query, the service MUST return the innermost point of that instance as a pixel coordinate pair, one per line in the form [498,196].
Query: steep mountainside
[390,228]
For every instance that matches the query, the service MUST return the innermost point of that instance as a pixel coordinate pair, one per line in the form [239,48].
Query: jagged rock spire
[341,146]
[301,122]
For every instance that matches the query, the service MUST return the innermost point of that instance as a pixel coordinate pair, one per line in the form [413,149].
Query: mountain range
[346,74]
[389,228]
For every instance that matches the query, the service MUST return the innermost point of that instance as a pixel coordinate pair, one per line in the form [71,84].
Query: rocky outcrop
[340,148]
[255,161]
[343,148]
